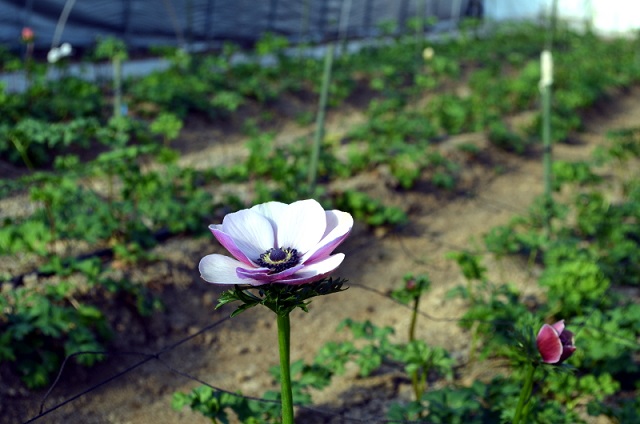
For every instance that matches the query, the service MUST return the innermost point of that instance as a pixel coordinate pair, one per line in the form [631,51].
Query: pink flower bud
[27,35]
[555,344]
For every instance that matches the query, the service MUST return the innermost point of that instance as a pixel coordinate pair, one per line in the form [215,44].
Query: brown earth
[236,354]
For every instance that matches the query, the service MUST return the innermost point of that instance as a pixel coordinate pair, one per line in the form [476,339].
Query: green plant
[623,144]
[167,125]
[61,100]
[226,102]
[34,142]
[571,390]
[624,410]
[377,349]
[418,354]
[473,404]
[574,286]
[450,113]
[608,338]
[573,172]
[501,136]
[406,168]
[214,404]
[40,328]
[218,405]
[369,210]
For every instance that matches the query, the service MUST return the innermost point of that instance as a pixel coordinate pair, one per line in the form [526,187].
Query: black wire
[149,357]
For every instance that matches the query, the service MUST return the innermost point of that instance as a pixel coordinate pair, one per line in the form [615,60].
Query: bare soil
[236,354]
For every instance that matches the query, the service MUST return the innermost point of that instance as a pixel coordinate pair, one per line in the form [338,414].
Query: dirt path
[236,354]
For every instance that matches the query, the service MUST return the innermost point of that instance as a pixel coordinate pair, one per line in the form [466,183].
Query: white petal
[339,225]
[316,271]
[328,265]
[301,225]
[252,232]
[220,269]
[270,210]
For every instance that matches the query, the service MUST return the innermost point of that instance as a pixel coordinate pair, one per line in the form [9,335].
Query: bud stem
[418,388]
[525,395]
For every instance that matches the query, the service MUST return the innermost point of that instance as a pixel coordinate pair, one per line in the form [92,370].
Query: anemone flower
[555,344]
[277,243]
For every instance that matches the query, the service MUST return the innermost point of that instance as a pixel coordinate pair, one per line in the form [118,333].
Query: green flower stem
[525,395]
[418,388]
[284,343]
[414,318]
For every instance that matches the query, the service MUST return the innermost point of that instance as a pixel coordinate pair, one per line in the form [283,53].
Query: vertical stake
[320,117]
[117,85]
[546,63]
[546,80]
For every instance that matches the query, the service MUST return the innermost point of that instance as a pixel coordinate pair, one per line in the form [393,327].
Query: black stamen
[278,259]
[277,255]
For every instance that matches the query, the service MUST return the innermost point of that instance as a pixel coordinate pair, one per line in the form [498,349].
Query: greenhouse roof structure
[208,22]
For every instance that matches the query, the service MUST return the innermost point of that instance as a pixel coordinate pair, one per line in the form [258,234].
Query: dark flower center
[278,259]
[566,338]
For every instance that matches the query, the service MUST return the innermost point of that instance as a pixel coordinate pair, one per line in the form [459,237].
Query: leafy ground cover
[86,262]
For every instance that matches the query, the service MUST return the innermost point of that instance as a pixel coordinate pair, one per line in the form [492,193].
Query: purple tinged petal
[549,344]
[566,338]
[337,218]
[258,274]
[301,225]
[262,274]
[566,352]
[339,225]
[251,232]
[220,269]
[227,242]
[316,271]
[559,326]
